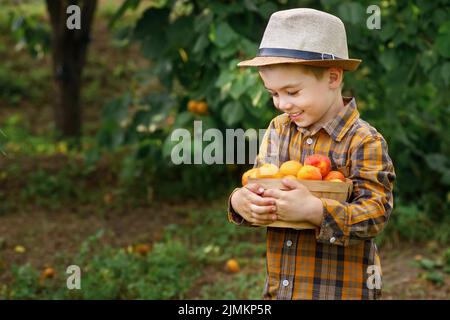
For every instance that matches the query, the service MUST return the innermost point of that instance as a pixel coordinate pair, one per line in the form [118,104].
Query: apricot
[48,273]
[334,175]
[290,167]
[267,170]
[249,174]
[232,266]
[290,176]
[309,173]
[320,161]
[142,248]
[197,107]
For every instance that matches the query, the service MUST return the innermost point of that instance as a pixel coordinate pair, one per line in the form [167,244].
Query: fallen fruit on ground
[232,266]
[267,170]
[290,167]
[333,175]
[309,173]
[48,273]
[142,249]
[319,161]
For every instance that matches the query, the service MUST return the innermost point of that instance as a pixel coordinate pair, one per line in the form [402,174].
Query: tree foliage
[401,86]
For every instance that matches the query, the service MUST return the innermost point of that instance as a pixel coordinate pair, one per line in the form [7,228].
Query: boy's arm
[265,153]
[372,173]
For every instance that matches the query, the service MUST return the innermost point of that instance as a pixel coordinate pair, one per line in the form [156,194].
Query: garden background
[90,182]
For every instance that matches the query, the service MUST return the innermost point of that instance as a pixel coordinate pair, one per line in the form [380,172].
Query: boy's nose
[284,105]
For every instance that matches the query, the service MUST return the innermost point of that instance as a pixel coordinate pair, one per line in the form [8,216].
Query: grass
[187,263]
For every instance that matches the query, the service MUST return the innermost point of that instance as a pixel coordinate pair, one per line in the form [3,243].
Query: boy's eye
[293,93]
[273,94]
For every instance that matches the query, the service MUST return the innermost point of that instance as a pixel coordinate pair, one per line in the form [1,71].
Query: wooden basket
[339,191]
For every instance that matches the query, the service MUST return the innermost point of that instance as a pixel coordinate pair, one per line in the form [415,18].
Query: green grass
[171,270]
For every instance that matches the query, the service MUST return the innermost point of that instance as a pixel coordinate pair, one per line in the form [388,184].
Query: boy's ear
[335,77]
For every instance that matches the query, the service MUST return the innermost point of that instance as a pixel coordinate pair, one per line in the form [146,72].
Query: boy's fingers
[255,188]
[262,209]
[263,219]
[273,193]
[261,201]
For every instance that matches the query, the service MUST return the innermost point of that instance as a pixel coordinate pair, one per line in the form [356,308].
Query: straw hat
[304,36]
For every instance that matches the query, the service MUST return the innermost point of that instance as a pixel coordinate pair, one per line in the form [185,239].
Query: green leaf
[427,264]
[442,43]
[183,118]
[351,12]
[127,4]
[388,59]
[224,35]
[232,113]
[445,73]
[435,277]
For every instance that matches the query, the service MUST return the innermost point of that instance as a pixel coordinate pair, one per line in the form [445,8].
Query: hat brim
[346,64]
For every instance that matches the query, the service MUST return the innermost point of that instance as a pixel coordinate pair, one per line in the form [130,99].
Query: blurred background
[85,123]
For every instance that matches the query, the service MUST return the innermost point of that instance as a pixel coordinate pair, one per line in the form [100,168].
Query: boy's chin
[302,123]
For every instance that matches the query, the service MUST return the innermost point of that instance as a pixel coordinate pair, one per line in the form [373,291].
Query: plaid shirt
[339,260]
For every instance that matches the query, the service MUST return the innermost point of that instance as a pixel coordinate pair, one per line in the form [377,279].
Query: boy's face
[300,94]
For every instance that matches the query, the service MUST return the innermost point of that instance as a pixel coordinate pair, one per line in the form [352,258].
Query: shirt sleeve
[365,216]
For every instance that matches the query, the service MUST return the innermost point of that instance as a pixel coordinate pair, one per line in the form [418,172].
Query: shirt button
[332,240]
[285,283]
[289,243]
[309,141]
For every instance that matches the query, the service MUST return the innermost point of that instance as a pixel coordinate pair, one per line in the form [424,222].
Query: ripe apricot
[290,167]
[252,173]
[333,175]
[320,161]
[232,266]
[48,273]
[309,173]
[267,170]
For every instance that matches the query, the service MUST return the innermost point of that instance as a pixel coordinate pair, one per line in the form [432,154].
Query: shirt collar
[339,125]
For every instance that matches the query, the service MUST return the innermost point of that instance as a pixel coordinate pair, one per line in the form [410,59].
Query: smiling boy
[301,61]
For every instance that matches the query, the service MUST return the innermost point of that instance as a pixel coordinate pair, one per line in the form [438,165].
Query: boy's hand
[296,204]
[254,208]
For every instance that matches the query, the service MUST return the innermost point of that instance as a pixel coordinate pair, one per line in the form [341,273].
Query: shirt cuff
[235,217]
[330,232]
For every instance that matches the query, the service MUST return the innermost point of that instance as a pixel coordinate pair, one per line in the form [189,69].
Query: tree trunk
[69,49]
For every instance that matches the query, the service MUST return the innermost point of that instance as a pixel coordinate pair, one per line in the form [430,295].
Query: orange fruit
[290,167]
[202,107]
[249,174]
[48,273]
[319,161]
[333,175]
[192,106]
[232,266]
[309,173]
[267,170]
[142,249]
[290,176]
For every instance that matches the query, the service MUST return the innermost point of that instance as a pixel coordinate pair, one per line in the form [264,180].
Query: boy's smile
[296,91]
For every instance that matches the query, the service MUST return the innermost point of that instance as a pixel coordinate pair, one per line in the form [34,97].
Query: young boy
[301,61]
